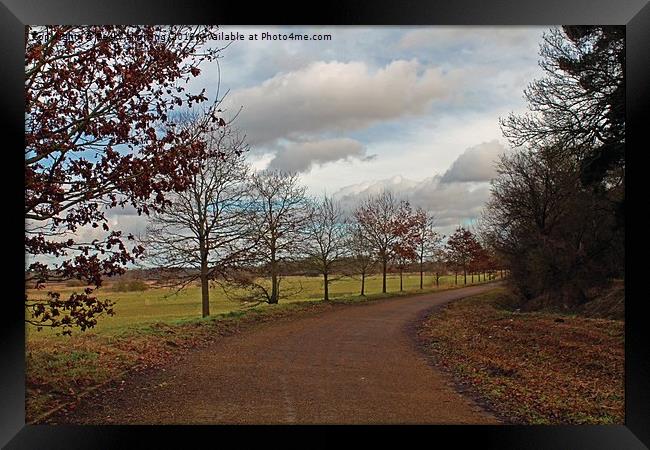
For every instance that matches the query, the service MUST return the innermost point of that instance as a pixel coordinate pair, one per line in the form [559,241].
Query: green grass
[139,308]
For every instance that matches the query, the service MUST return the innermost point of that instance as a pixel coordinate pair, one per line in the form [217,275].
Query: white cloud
[335,96]
[477,163]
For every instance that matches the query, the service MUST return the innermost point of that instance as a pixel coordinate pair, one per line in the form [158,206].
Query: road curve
[352,365]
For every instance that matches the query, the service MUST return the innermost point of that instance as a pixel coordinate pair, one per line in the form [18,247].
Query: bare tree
[579,104]
[204,231]
[279,216]
[558,209]
[428,240]
[439,262]
[361,252]
[550,232]
[385,221]
[404,255]
[325,233]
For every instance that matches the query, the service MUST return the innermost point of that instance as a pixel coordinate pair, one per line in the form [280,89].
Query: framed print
[384,219]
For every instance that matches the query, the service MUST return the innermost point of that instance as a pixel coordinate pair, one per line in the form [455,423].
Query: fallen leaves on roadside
[531,367]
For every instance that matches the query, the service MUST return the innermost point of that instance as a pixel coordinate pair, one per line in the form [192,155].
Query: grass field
[164,305]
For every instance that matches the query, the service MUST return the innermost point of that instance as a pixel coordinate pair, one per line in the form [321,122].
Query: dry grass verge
[530,368]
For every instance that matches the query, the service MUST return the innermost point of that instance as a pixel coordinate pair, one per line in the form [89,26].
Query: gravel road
[354,364]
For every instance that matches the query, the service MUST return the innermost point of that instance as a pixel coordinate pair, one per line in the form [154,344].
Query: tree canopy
[98,135]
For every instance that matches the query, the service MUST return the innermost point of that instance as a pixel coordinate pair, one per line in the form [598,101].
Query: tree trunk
[472,277]
[326,297]
[383,285]
[465,276]
[421,275]
[274,278]
[363,284]
[203,275]
[274,288]
[456,278]
[205,289]
[400,280]
[437,279]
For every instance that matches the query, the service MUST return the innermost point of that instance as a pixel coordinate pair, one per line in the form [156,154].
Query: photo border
[15,14]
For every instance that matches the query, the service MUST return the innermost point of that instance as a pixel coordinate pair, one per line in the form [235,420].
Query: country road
[356,364]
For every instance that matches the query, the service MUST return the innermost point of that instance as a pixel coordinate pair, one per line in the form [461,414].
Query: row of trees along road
[244,231]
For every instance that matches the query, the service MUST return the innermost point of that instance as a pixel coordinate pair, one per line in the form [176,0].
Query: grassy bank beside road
[532,367]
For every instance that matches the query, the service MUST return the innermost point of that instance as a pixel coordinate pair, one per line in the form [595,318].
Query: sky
[414,110]
[410,109]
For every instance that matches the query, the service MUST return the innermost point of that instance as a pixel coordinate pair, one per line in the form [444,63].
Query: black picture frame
[15,14]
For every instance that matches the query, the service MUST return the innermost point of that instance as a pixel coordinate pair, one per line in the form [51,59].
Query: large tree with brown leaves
[98,135]
[389,227]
